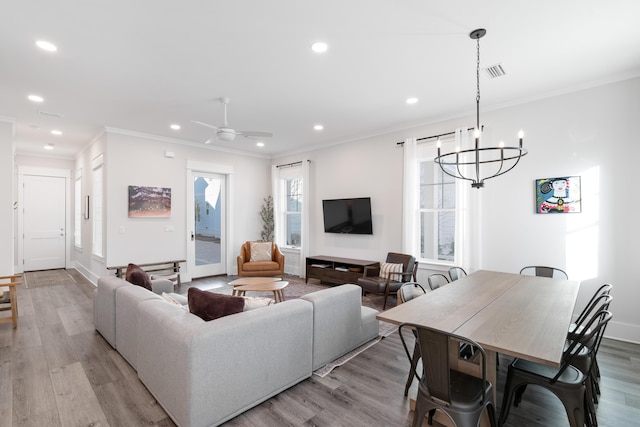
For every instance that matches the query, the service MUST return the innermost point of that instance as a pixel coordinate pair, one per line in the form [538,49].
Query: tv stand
[336,270]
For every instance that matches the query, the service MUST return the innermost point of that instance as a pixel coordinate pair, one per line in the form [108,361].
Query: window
[96,211]
[437,213]
[293,211]
[77,228]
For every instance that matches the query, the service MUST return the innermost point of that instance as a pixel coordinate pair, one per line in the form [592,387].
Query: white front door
[44,223]
[206,254]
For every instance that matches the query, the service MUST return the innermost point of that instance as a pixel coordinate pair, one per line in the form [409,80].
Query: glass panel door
[207,233]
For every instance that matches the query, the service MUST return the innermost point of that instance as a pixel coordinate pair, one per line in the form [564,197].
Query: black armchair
[389,277]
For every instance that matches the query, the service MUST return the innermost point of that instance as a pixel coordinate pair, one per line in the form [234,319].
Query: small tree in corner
[266,213]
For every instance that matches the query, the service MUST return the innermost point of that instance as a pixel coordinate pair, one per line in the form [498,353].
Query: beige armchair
[260,259]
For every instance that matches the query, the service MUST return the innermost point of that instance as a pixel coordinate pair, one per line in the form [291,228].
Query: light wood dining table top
[513,314]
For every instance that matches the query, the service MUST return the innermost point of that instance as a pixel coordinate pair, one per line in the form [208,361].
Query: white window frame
[286,214]
[436,223]
[465,252]
[280,203]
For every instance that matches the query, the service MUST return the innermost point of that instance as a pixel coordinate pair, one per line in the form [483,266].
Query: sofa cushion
[210,306]
[386,268]
[260,251]
[171,299]
[261,266]
[251,303]
[138,276]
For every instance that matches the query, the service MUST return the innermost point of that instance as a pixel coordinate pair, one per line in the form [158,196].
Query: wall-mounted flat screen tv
[347,216]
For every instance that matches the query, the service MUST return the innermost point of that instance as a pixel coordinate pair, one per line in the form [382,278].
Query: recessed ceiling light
[56,132]
[45,45]
[35,98]
[49,146]
[175,126]
[260,144]
[412,100]
[318,127]
[319,47]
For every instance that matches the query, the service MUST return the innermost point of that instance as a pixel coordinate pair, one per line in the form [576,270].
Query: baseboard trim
[623,332]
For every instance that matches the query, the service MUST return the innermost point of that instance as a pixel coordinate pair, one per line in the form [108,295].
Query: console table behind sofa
[169,269]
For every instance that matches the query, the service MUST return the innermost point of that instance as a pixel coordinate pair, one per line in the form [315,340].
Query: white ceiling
[142,65]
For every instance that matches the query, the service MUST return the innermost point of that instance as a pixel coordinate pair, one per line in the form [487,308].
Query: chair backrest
[599,303]
[434,350]
[589,338]
[409,265]
[543,271]
[436,280]
[602,290]
[456,273]
[407,291]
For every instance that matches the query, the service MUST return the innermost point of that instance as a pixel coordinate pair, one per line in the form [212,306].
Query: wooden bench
[165,269]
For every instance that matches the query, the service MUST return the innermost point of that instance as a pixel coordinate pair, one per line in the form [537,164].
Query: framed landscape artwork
[558,195]
[149,202]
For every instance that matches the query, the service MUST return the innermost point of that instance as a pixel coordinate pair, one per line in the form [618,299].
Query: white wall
[139,160]
[590,133]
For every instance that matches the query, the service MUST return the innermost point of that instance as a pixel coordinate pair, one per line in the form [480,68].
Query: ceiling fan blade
[205,124]
[253,133]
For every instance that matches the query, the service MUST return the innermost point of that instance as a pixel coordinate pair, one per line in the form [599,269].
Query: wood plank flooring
[55,370]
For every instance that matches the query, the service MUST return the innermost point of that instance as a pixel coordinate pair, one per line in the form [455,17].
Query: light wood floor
[55,370]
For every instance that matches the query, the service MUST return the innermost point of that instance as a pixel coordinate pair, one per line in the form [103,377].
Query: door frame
[49,172]
[219,169]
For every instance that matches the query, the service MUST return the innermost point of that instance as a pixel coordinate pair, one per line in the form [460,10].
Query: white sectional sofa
[340,322]
[205,373]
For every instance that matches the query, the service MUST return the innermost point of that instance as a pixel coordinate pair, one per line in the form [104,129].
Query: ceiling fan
[227,134]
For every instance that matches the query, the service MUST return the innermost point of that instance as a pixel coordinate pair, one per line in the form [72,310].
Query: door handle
[193,237]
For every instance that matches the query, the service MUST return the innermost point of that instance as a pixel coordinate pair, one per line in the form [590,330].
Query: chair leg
[510,389]
[519,393]
[14,306]
[420,411]
[590,409]
[414,363]
[431,414]
[386,295]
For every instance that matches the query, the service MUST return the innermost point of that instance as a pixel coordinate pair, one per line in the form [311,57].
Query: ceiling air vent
[50,114]
[495,71]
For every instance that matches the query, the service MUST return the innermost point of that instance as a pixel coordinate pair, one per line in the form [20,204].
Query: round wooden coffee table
[276,287]
[253,281]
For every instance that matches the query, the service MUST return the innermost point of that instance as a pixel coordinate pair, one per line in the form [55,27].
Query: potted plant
[266,214]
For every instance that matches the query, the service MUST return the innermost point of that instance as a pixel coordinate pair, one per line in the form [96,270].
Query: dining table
[512,314]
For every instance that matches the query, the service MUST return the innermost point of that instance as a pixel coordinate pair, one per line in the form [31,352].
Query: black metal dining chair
[456,273]
[544,271]
[462,397]
[407,292]
[436,280]
[566,382]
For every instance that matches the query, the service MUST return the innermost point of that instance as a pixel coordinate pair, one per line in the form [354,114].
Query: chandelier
[470,164]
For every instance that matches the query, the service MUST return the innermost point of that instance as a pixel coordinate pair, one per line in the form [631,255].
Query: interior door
[44,226]
[207,235]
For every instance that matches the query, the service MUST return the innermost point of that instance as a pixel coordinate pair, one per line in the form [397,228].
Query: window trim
[284,212]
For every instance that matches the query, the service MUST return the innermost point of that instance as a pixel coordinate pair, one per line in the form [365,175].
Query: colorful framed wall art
[558,195]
